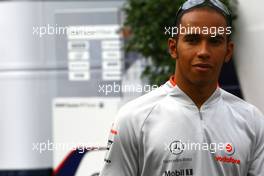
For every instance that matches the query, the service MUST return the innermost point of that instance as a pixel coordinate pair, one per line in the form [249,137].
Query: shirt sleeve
[122,149]
[257,163]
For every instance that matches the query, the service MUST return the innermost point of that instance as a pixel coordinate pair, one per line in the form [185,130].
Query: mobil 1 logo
[179,172]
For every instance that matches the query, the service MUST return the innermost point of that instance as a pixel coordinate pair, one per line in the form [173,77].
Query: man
[190,126]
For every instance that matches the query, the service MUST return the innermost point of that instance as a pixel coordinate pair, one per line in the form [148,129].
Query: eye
[217,40]
[192,38]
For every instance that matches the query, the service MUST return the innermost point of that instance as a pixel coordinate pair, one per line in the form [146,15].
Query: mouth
[203,67]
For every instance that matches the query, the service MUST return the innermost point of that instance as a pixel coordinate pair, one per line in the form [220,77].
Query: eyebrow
[186,36]
[217,36]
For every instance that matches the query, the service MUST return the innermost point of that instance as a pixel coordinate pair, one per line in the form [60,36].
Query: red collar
[172,80]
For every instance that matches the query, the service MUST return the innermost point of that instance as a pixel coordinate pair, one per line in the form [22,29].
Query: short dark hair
[215,5]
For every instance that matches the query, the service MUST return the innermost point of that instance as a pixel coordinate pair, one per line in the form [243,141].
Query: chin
[204,82]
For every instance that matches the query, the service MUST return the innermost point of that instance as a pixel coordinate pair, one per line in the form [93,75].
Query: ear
[229,52]
[172,44]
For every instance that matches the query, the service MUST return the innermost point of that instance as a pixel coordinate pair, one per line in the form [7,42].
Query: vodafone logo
[229,149]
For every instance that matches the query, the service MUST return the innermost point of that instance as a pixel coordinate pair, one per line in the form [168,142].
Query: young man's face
[200,56]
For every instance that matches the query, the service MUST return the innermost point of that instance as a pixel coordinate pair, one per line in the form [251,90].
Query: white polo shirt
[163,133]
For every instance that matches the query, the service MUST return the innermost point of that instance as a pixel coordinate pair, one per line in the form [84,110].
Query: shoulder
[237,102]
[244,109]
[134,113]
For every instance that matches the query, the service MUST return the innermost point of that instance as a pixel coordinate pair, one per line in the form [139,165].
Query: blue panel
[35,172]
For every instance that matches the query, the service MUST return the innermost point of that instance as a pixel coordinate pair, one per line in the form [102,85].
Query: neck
[199,93]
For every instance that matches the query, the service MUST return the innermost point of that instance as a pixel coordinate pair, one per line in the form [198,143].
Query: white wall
[27,88]
[249,50]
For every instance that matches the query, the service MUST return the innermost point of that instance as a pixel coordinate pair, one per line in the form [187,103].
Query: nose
[204,50]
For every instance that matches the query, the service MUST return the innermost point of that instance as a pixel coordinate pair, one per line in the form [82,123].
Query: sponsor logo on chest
[179,172]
